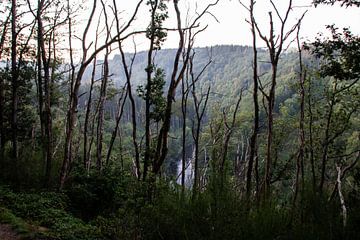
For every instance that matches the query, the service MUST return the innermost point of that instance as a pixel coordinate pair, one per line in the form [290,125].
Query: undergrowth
[117,206]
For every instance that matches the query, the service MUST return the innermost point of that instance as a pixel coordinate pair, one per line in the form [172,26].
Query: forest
[100,140]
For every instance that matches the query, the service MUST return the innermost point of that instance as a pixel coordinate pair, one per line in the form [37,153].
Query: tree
[154,85]
[276,45]
[255,132]
[46,67]
[75,80]
[176,76]
[200,100]
[339,57]
[14,81]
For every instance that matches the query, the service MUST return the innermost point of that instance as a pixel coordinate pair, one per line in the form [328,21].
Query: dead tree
[14,82]
[184,101]
[103,95]
[241,161]
[200,101]
[120,111]
[255,131]
[311,134]
[86,146]
[200,107]
[228,130]
[4,33]
[128,73]
[276,45]
[176,76]
[341,196]
[44,84]
[300,158]
[75,80]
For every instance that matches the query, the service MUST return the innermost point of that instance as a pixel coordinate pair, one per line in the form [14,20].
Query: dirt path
[6,233]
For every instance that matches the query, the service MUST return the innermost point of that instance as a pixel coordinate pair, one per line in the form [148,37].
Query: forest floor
[6,233]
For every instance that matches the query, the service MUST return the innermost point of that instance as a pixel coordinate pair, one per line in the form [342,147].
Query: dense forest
[101,141]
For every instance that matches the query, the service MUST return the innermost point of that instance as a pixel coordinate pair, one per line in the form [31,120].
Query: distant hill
[230,71]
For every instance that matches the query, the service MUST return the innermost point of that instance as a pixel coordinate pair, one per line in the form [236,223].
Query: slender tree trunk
[86,157]
[196,158]
[311,141]
[46,111]
[326,140]
[133,113]
[120,111]
[184,98]
[103,95]
[100,124]
[197,127]
[341,196]
[228,132]
[4,33]
[132,107]
[40,94]
[253,139]
[300,157]
[2,131]
[14,85]
[275,45]
[73,95]
[176,77]
[2,92]
[149,70]
[271,102]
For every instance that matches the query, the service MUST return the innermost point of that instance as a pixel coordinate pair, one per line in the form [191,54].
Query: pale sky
[232,27]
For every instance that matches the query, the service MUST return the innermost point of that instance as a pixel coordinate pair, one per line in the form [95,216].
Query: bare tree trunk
[253,139]
[43,64]
[200,111]
[326,140]
[4,33]
[132,106]
[100,120]
[275,45]
[311,141]
[86,151]
[103,94]
[227,135]
[300,157]
[184,100]
[341,196]
[2,130]
[133,113]
[86,156]
[2,90]
[14,85]
[176,77]
[120,111]
[76,82]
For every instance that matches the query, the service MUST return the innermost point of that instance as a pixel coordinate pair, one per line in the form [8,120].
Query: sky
[232,30]
[231,27]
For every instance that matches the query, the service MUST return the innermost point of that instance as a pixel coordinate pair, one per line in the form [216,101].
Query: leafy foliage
[340,53]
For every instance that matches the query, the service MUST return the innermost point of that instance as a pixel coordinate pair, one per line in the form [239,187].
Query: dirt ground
[6,233]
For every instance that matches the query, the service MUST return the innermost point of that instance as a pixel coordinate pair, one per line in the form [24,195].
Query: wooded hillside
[222,142]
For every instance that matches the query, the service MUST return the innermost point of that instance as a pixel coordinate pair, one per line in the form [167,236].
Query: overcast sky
[232,28]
